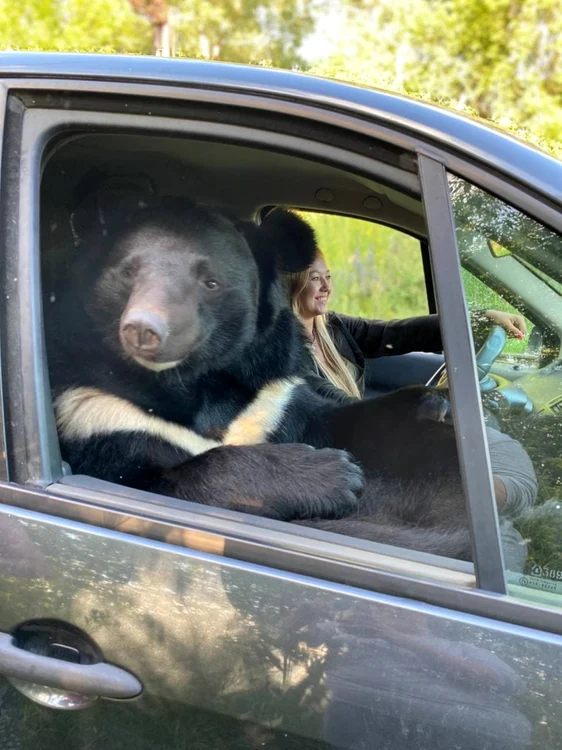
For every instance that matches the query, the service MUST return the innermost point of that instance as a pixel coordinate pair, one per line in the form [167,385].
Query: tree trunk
[161,39]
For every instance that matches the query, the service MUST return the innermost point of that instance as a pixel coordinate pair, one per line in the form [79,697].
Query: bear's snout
[143,333]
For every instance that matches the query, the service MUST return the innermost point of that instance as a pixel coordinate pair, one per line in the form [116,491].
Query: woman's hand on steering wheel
[514,325]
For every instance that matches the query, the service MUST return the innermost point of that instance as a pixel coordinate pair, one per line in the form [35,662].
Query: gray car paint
[256,647]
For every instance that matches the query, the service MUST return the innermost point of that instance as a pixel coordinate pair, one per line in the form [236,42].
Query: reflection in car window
[482,297]
[514,263]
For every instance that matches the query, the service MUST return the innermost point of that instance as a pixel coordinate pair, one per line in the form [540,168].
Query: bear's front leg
[286,482]
[407,434]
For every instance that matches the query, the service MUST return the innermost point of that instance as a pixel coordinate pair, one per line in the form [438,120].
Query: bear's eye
[130,269]
[212,284]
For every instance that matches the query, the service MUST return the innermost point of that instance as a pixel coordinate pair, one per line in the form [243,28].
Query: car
[130,619]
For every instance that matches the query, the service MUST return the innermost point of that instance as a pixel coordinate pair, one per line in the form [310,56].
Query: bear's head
[177,283]
[167,282]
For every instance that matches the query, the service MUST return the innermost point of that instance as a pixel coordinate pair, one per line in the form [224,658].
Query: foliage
[236,30]
[72,26]
[241,31]
[498,59]
[376,271]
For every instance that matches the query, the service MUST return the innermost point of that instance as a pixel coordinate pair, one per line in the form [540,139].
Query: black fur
[208,298]
[417,515]
[283,238]
[163,256]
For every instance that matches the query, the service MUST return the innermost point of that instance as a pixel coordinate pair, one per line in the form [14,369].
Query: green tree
[241,30]
[73,25]
[235,30]
[498,59]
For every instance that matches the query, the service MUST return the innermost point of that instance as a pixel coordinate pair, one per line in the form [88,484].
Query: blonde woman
[339,344]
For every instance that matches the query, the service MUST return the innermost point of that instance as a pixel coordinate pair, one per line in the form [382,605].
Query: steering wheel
[495,398]
[490,351]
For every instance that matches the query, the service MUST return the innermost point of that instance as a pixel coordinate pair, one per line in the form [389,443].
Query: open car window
[382,277]
[377,270]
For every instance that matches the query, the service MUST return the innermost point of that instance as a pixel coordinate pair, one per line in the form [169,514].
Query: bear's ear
[290,239]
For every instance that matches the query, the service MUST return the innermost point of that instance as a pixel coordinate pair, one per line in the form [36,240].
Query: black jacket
[358,339]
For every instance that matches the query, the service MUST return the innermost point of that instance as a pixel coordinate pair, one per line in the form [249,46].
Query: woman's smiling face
[314,297]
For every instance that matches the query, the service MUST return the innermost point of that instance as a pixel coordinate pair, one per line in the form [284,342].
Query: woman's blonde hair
[338,370]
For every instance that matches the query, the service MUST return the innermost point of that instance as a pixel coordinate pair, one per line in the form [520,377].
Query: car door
[164,624]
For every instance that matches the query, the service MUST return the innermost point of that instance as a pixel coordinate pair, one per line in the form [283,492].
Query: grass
[377,272]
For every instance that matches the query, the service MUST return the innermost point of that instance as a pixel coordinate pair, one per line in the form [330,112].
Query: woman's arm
[326,390]
[379,338]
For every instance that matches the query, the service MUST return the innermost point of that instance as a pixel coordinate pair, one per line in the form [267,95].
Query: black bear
[175,364]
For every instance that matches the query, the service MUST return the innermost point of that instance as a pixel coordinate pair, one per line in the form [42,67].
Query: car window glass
[377,270]
[513,264]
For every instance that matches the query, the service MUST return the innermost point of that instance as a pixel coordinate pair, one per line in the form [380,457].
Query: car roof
[469,136]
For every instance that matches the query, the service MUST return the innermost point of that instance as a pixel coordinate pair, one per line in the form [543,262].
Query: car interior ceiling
[242,179]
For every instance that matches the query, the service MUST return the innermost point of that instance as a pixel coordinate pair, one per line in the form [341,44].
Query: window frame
[61,498]
[3,414]
[458,345]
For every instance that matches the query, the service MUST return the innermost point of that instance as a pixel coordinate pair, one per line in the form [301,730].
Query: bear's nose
[143,332]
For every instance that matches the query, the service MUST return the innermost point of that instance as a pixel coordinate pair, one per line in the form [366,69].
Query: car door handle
[103,680]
